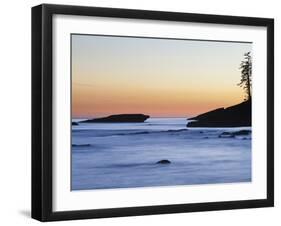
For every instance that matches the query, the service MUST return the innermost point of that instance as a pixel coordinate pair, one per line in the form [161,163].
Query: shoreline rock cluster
[235,133]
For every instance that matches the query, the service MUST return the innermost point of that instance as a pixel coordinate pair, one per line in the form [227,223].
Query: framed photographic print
[140,112]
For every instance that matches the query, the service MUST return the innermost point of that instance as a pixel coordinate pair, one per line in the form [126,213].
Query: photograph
[144,112]
[156,111]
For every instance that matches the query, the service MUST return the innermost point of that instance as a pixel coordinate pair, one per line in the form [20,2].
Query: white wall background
[15,113]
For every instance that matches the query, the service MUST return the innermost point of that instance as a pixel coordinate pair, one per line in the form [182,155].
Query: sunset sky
[158,77]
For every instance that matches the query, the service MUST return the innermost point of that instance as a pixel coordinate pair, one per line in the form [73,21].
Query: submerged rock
[176,130]
[74,123]
[242,132]
[235,133]
[163,161]
[81,145]
[120,118]
[226,135]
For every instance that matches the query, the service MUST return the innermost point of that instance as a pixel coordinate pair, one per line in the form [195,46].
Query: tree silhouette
[246,74]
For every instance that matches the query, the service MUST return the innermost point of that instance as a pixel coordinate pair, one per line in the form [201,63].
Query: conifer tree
[246,75]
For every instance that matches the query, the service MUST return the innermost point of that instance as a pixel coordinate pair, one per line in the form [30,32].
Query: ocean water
[124,155]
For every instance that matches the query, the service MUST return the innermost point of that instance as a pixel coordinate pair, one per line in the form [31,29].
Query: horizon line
[148,118]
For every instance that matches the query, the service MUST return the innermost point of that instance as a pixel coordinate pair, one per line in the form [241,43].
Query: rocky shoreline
[235,116]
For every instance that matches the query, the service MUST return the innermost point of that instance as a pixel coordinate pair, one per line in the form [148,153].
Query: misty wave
[124,133]
[128,155]
[150,132]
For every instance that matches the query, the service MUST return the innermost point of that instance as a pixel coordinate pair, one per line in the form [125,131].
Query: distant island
[119,118]
[234,116]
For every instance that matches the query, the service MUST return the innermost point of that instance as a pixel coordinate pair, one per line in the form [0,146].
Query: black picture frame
[42,107]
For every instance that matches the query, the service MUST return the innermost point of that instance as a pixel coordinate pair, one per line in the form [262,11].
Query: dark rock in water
[120,118]
[242,132]
[234,116]
[81,145]
[226,135]
[74,123]
[176,130]
[235,133]
[163,161]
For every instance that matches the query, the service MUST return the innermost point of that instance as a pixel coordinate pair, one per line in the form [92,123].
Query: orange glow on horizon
[101,101]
